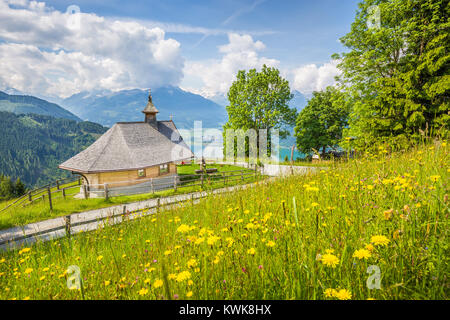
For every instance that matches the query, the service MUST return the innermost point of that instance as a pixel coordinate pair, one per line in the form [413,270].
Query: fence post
[202,179]
[29,196]
[64,193]
[106,191]
[79,181]
[57,184]
[192,198]
[242,175]
[158,203]
[50,198]
[68,225]
[175,183]
[151,183]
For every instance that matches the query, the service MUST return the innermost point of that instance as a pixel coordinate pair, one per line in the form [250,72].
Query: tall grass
[386,210]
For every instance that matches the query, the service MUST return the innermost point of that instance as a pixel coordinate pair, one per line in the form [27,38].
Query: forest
[32,146]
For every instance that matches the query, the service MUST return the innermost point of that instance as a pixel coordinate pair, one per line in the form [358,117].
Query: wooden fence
[59,188]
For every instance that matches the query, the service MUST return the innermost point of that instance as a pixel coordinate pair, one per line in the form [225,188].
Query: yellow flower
[42,278]
[183,228]
[251,251]
[314,204]
[199,240]
[343,294]
[330,260]
[167,252]
[172,276]
[330,292]
[24,250]
[212,239]
[362,254]
[158,283]
[369,247]
[2,260]
[249,226]
[99,258]
[270,244]
[189,294]
[379,240]
[146,281]
[143,292]
[192,263]
[190,283]
[107,283]
[184,275]
[28,270]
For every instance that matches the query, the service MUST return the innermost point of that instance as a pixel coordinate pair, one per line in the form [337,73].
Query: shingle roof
[131,146]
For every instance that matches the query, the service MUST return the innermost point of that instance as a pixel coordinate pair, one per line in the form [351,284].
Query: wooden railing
[58,188]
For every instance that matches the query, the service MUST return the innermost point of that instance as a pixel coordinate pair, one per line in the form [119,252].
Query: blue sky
[203,43]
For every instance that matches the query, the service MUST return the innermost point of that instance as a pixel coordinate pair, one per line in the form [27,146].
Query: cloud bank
[214,77]
[59,53]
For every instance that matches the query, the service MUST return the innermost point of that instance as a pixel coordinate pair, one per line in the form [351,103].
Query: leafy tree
[19,188]
[320,124]
[259,100]
[6,188]
[398,74]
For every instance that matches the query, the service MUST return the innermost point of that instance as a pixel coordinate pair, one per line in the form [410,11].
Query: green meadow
[40,209]
[297,237]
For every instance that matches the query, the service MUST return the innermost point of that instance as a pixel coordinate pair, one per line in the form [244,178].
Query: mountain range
[107,108]
[25,104]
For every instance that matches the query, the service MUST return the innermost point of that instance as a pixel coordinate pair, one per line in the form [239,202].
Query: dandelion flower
[192,263]
[99,258]
[143,292]
[184,275]
[28,270]
[362,254]
[343,294]
[183,228]
[379,240]
[270,244]
[251,251]
[330,292]
[330,260]
[158,283]
[107,283]
[189,294]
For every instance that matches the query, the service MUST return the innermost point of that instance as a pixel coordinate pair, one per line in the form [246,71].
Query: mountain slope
[32,146]
[107,108]
[21,104]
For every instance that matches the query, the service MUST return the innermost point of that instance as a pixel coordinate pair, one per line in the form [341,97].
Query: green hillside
[19,104]
[32,146]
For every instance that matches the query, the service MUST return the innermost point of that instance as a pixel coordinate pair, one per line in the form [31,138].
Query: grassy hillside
[20,104]
[387,210]
[32,146]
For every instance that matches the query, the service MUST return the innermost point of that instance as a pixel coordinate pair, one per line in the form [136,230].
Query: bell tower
[150,112]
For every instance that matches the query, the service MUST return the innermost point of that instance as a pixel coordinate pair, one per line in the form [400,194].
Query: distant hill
[23,104]
[107,108]
[32,146]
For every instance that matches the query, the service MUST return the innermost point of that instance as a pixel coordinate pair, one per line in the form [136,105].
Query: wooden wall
[129,177]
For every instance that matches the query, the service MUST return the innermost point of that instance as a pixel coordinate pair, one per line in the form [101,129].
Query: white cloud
[214,77]
[311,77]
[50,52]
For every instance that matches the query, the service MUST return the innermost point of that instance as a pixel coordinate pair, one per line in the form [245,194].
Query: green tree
[6,188]
[319,125]
[259,100]
[19,188]
[398,73]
